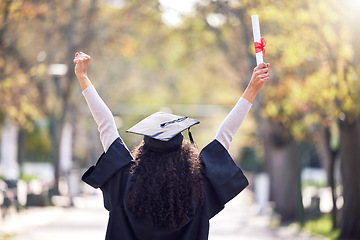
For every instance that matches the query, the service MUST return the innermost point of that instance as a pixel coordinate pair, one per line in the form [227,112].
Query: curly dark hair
[165,186]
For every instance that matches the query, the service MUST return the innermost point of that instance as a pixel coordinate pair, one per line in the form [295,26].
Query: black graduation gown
[223,181]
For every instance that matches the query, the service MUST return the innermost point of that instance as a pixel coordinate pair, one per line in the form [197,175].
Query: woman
[165,188]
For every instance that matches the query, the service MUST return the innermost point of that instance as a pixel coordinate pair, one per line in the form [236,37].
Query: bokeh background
[299,145]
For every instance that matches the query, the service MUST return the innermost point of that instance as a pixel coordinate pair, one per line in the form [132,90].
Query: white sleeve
[103,117]
[232,122]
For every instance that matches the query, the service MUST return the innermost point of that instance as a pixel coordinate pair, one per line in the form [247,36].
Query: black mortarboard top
[162,131]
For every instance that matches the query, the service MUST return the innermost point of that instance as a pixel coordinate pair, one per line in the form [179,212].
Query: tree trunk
[54,129]
[283,166]
[328,155]
[21,148]
[332,185]
[350,171]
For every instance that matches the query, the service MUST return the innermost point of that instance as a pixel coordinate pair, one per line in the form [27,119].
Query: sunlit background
[299,145]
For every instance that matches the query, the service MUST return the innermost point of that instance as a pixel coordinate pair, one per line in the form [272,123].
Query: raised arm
[235,118]
[101,113]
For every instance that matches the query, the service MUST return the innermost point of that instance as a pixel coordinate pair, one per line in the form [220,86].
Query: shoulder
[110,162]
[223,175]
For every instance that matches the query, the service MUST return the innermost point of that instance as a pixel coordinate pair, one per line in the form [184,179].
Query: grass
[28,177]
[322,226]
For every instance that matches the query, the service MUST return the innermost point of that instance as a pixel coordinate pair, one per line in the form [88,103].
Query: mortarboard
[162,131]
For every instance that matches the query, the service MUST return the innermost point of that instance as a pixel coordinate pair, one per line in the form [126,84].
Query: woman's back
[221,178]
[166,187]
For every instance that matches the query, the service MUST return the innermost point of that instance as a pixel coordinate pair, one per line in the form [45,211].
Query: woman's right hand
[81,61]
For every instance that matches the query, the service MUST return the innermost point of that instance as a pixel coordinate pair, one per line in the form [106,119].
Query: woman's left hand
[259,77]
[81,61]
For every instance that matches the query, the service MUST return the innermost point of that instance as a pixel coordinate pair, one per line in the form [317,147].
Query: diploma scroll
[258,41]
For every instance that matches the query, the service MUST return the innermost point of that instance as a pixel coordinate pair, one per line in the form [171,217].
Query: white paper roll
[257,37]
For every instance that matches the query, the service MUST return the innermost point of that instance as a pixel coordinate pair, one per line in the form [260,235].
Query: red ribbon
[260,47]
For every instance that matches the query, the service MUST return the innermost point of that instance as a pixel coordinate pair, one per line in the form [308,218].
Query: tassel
[190,136]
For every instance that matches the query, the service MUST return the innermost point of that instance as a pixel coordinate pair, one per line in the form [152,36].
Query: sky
[174,10]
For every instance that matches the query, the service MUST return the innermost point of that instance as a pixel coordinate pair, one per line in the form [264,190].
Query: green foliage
[251,161]
[7,236]
[38,146]
[2,117]
[28,177]
[322,226]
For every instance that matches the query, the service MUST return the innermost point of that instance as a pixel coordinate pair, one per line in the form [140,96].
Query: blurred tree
[230,23]
[317,71]
[64,27]
[17,90]
[314,81]
[19,95]
[34,35]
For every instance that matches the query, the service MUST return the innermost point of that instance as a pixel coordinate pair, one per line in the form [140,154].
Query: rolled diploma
[257,37]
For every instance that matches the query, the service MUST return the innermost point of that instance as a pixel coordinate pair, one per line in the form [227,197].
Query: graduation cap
[162,131]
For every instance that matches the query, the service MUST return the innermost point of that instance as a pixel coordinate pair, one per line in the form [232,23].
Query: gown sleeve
[224,179]
[102,116]
[117,157]
[232,122]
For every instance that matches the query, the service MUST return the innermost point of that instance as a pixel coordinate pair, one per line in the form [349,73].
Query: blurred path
[85,221]
[88,221]
[240,221]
